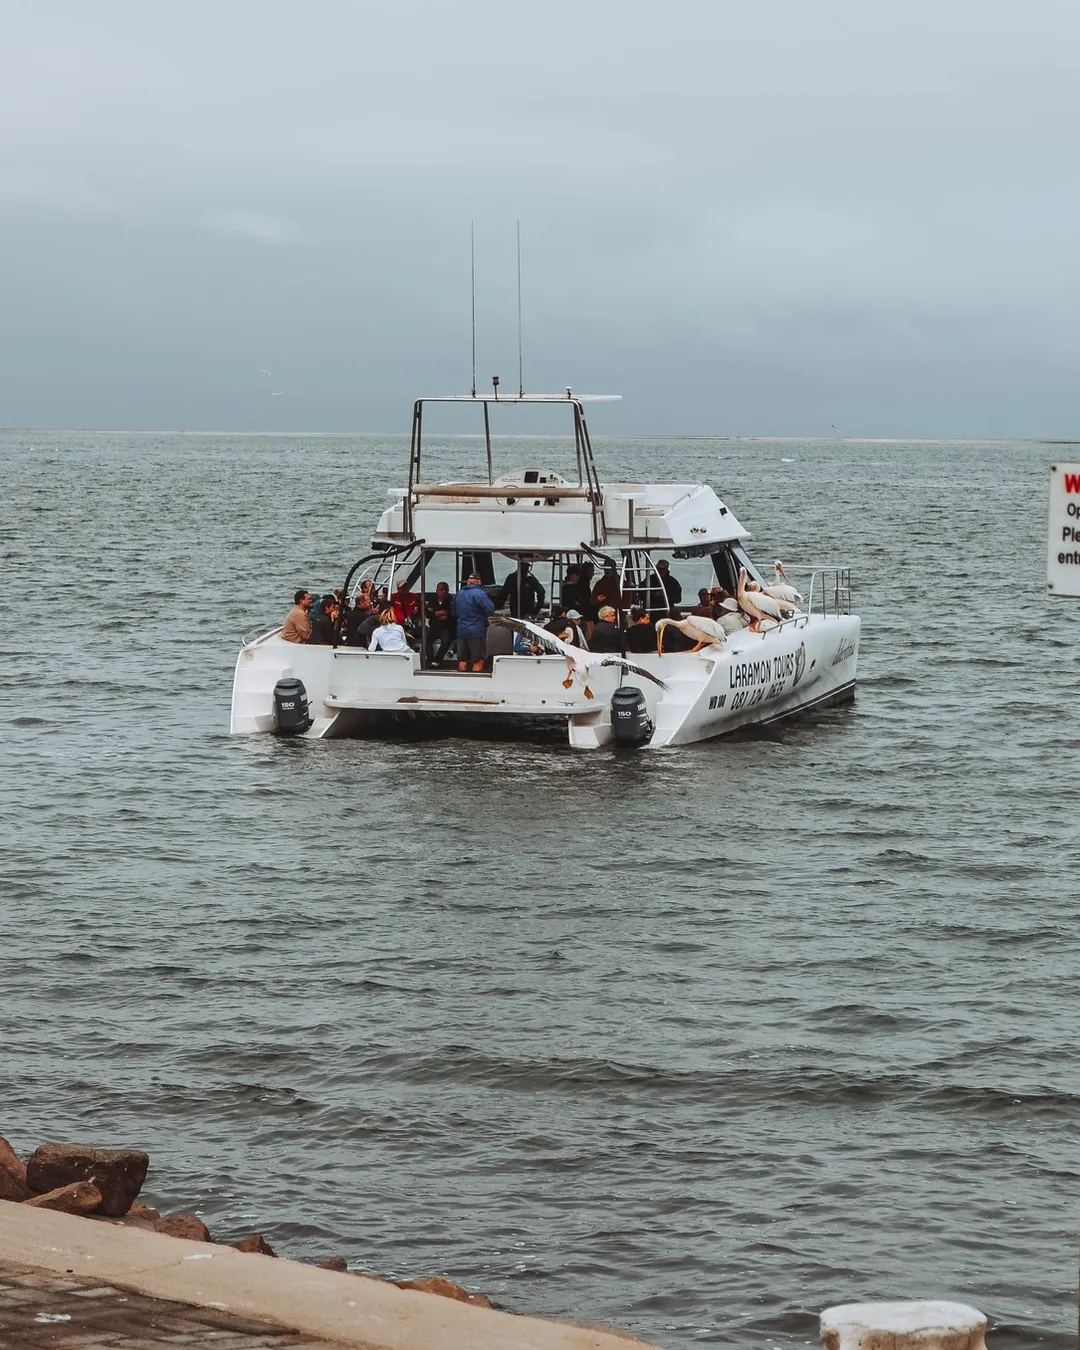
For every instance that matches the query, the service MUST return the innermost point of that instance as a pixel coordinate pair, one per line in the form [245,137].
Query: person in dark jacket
[440,624]
[472,608]
[575,592]
[361,623]
[606,635]
[641,635]
[672,588]
[322,623]
[527,601]
[606,590]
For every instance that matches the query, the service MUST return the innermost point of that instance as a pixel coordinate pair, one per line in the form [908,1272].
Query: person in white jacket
[389,636]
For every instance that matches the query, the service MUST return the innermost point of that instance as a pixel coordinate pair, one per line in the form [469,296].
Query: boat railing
[264,630]
[825,590]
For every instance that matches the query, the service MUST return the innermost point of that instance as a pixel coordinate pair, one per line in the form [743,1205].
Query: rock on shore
[103,1183]
[118,1173]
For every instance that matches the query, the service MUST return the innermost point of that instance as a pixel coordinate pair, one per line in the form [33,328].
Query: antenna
[521,376]
[472,256]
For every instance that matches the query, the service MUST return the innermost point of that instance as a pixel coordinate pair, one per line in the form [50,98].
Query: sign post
[1063,543]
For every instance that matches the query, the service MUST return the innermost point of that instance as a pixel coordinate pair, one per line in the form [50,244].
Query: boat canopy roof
[536,509]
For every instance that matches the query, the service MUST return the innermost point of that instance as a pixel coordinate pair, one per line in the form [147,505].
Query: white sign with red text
[1063,546]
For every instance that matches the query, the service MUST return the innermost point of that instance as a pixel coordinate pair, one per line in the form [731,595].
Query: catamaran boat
[499,525]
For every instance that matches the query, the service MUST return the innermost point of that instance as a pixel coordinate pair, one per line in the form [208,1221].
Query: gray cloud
[770,218]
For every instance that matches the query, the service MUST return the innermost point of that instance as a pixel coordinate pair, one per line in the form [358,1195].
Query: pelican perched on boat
[780,588]
[705,632]
[578,661]
[764,610]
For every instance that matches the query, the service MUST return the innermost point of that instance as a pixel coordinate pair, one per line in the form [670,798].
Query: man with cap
[566,620]
[472,609]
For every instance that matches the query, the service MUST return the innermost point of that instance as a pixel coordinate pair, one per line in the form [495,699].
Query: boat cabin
[546,520]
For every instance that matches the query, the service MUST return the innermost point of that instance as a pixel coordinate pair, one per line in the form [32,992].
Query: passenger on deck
[730,617]
[406,602]
[575,592]
[587,608]
[389,636]
[323,620]
[704,604]
[527,603]
[472,607]
[573,617]
[566,625]
[672,588]
[361,622]
[606,635]
[297,627]
[440,624]
[641,635]
[606,590]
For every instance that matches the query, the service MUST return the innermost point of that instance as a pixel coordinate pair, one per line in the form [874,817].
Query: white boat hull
[755,678]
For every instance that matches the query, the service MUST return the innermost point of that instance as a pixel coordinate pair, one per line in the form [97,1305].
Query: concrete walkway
[117,1288]
[40,1311]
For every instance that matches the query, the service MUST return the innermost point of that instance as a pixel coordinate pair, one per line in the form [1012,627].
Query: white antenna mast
[472,256]
[521,374]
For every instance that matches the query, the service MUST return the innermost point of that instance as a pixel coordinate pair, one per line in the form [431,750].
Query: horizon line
[604,436]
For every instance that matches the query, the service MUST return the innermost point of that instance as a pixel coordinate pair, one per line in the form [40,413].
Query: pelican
[706,632]
[762,608]
[578,661]
[782,589]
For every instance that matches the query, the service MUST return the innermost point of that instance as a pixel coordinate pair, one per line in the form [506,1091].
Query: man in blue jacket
[472,605]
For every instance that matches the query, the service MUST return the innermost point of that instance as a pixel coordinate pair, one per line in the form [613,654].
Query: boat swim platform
[68,1281]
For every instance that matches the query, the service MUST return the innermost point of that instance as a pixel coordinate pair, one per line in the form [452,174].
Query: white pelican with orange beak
[782,589]
[764,611]
[704,631]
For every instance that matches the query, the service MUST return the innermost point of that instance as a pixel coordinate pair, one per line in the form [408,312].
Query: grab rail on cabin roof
[588,484]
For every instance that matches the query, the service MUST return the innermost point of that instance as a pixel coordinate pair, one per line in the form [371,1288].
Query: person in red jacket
[406,602]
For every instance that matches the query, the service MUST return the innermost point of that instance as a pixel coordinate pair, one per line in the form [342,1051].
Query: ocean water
[696,1042]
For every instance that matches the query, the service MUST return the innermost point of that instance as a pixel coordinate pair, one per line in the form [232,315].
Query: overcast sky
[762,217]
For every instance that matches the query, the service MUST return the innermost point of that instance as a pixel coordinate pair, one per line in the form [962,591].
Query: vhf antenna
[472,255]
[521,375]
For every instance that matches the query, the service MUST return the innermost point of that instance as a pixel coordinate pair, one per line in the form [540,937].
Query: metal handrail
[829,588]
[263,630]
[392,551]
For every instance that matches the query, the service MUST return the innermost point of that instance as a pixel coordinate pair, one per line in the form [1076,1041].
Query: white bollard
[933,1325]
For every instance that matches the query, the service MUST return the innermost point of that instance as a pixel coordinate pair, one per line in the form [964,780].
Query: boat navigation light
[495,384]
[568,391]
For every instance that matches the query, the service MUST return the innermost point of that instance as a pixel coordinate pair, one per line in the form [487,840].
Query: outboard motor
[630,720]
[291,707]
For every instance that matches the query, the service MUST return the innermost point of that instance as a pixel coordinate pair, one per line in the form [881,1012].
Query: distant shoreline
[527,436]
